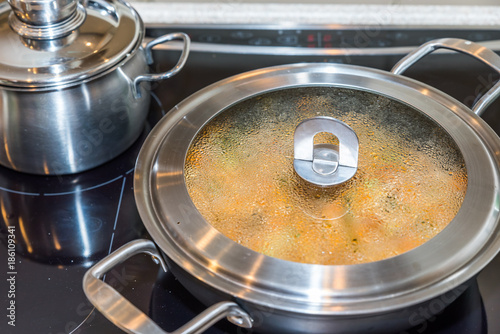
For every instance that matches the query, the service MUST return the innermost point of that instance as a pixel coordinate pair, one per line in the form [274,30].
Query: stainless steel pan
[271,295]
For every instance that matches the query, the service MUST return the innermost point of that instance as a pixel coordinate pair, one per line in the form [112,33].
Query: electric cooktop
[54,228]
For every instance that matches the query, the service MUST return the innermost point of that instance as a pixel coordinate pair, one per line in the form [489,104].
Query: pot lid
[181,228]
[255,174]
[41,49]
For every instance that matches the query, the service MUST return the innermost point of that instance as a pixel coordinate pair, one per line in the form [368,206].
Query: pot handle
[129,318]
[472,49]
[149,59]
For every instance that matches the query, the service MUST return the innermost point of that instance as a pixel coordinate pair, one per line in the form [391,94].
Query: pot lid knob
[45,19]
[325,164]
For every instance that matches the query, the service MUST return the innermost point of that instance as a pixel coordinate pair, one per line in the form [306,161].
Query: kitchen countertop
[235,11]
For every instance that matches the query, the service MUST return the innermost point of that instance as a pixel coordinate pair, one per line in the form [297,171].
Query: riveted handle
[129,318]
[472,49]
[325,164]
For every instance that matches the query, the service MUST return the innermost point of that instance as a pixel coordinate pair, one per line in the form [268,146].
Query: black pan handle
[129,318]
[472,49]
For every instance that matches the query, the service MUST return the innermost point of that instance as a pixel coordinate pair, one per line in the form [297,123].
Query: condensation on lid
[410,183]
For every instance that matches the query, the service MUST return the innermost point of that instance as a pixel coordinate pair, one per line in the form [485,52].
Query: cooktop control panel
[328,37]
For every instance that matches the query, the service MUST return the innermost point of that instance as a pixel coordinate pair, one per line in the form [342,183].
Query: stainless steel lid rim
[272,299]
[69,82]
[327,287]
[19,86]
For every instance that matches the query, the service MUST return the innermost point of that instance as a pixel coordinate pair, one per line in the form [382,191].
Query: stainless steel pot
[271,295]
[74,83]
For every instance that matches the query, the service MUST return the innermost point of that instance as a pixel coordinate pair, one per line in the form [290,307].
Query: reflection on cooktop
[62,225]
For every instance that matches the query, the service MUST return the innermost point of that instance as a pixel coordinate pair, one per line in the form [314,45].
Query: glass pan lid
[410,182]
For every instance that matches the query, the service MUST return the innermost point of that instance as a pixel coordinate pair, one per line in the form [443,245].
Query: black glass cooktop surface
[54,228]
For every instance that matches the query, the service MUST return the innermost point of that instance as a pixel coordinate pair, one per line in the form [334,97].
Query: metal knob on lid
[46,19]
[325,164]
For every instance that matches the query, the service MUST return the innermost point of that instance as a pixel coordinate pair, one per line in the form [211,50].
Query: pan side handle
[132,320]
[149,59]
[472,49]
